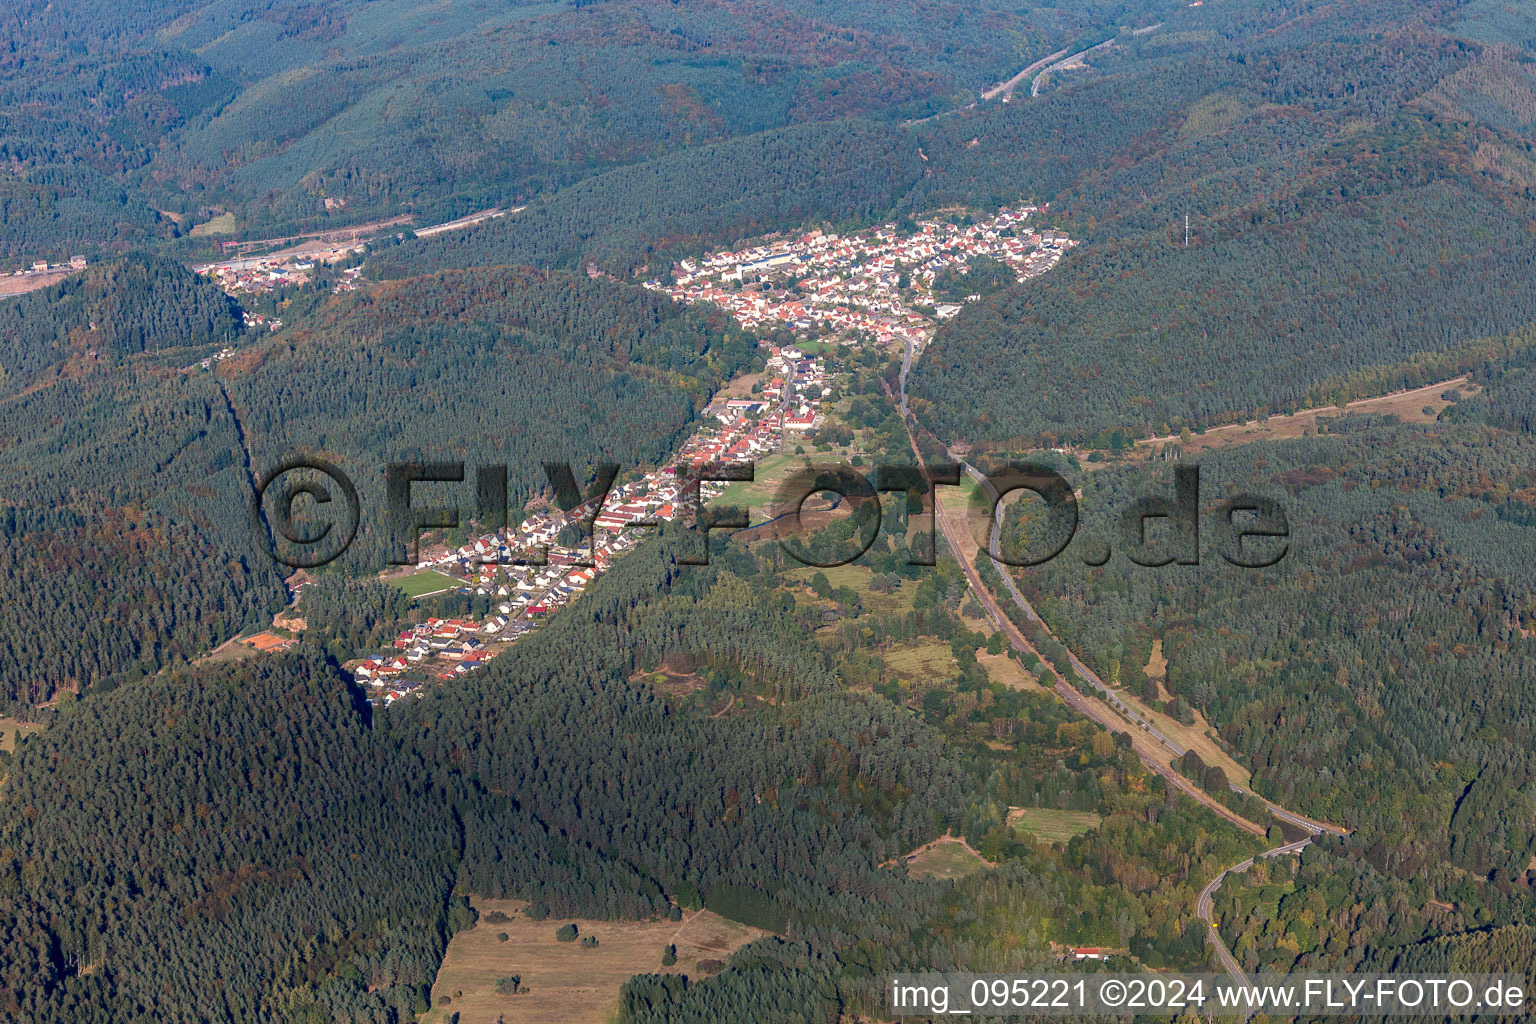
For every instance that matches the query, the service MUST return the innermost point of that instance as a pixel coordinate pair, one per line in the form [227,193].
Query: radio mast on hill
[1186,231]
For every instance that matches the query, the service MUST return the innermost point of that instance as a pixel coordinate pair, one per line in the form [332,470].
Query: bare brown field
[566,983]
[1409,406]
[740,387]
[13,284]
[1157,668]
[1004,669]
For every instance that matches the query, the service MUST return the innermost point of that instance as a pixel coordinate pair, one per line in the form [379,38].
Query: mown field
[428,581]
[945,858]
[1052,826]
[566,983]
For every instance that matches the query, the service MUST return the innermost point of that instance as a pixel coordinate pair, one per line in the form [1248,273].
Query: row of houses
[436,648]
[496,564]
[44,267]
[263,273]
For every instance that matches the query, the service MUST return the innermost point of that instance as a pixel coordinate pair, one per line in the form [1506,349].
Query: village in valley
[253,275]
[872,287]
[532,570]
[878,283]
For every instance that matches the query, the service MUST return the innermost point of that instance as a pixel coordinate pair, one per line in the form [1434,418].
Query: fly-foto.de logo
[307,511]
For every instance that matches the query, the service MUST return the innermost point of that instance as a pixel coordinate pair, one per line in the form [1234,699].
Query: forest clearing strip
[1291,425]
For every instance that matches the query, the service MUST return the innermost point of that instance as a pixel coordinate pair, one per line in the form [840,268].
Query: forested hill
[268,851]
[129,122]
[134,304]
[847,170]
[1359,212]
[128,544]
[492,366]
[1376,676]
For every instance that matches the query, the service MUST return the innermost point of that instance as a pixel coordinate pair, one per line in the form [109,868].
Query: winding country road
[1006,88]
[1108,695]
[1034,88]
[1206,913]
[1147,740]
[1082,704]
[1038,69]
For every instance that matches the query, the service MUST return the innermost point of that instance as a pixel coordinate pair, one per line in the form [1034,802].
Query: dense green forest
[138,303]
[299,115]
[127,541]
[1339,675]
[329,890]
[1358,206]
[488,367]
[1332,911]
[849,171]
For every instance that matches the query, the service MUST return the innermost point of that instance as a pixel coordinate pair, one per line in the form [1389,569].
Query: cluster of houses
[207,363]
[259,275]
[529,575]
[44,267]
[846,287]
[254,274]
[254,320]
[787,403]
[437,648]
[876,283]
[351,279]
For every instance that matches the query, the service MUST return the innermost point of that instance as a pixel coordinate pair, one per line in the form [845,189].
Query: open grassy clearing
[955,505]
[765,496]
[1409,406]
[1002,668]
[1157,669]
[428,581]
[1052,826]
[672,683]
[566,983]
[945,858]
[930,660]
[223,224]
[757,495]
[11,731]
[857,578]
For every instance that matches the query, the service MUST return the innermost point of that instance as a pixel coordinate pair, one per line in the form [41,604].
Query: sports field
[428,581]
